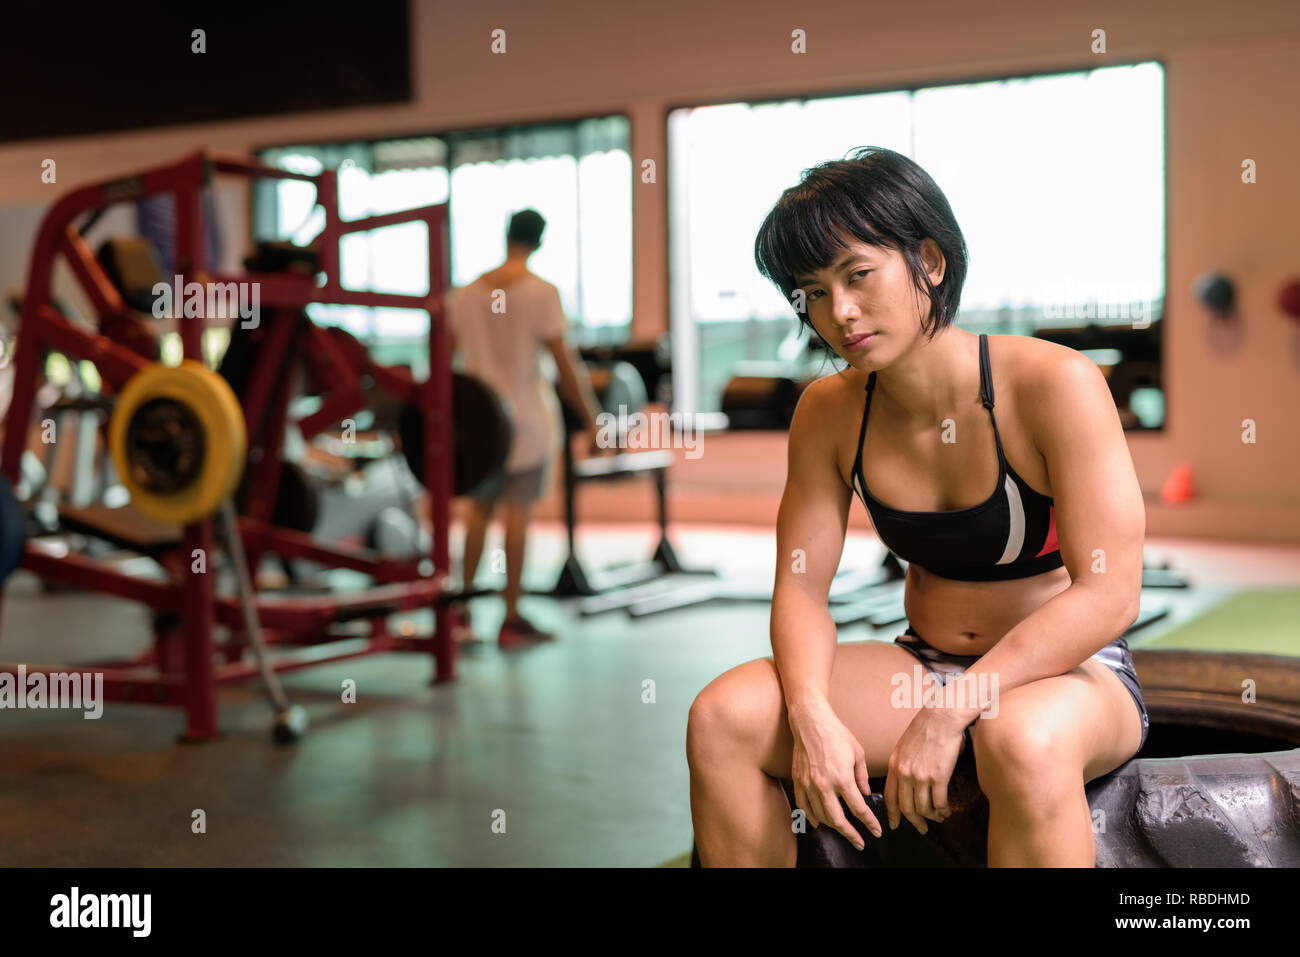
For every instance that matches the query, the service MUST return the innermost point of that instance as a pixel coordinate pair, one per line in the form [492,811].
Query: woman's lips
[855,343]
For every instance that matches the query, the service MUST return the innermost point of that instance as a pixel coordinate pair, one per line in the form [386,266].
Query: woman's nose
[844,308]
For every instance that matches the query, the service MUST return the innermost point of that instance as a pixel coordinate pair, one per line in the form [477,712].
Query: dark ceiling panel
[113,66]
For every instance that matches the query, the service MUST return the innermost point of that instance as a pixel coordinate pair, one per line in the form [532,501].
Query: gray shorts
[512,488]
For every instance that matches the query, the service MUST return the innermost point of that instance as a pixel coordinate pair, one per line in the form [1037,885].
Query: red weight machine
[185,665]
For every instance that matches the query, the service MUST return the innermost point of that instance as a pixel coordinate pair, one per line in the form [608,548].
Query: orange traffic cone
[1178,487]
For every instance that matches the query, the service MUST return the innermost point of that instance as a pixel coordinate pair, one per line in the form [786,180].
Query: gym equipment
[847,588]
[177,437]
[366,508]
[134,267]
[12,533]
[1162,576]
[175,441]
[620,391]
[1139,366]
[650,360]
[394,532]
[290,721]
[1216,809]
[482,434]
[297,502]
[1217,293]
[761,402]
[1288,298]
[337,508]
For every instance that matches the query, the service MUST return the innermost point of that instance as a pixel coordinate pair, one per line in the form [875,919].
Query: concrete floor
[554,735]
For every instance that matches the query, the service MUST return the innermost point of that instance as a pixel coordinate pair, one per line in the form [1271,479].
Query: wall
[1232,74]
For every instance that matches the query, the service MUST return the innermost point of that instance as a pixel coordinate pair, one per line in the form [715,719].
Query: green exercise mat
[1263,621]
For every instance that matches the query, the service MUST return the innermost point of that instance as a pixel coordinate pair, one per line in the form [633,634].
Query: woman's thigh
[746,707]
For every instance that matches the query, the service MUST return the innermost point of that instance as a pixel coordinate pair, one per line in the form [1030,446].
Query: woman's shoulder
[837,386]
[1044,378]
[824,401]
[1032,364]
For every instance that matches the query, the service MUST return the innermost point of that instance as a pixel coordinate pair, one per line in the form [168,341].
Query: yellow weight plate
[198,409]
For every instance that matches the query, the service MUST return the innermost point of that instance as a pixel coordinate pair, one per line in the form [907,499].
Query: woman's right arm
[829,762]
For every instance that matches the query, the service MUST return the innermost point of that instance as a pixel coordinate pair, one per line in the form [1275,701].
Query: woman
[1026,590]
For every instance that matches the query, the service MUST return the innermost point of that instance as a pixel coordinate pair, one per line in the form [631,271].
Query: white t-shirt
[502,349]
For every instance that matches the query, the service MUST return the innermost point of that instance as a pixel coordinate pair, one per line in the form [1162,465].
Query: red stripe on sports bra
[1051,544]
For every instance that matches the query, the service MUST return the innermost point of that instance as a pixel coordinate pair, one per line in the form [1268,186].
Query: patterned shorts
[1114,656]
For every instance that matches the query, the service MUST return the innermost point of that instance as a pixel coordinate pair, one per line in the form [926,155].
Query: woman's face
[865,304]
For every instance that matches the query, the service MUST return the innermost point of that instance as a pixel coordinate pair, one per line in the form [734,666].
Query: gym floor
[556,735]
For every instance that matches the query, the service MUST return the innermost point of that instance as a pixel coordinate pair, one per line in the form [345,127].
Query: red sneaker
[519,630]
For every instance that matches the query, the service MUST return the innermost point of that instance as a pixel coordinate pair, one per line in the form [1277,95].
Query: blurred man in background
[500,325]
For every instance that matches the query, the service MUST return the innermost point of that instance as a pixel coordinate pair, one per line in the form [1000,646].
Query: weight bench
[122,526]
[574,580]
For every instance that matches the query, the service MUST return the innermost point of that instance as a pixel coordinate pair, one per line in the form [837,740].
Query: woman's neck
[934,378]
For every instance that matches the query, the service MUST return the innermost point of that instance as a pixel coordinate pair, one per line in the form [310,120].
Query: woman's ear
[935,264]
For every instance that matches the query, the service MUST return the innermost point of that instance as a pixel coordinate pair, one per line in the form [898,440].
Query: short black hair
[526,228]
[878,197]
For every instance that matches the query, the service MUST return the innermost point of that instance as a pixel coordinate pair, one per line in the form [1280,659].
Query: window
[577,175]
[1057,181]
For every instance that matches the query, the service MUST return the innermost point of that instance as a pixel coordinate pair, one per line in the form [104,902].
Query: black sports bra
[1012,534]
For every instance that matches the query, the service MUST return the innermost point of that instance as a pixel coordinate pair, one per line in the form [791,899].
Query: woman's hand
[829,763]
[921,766]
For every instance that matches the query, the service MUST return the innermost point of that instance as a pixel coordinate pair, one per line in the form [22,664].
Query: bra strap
[986,373]
[862,432]
[986,391]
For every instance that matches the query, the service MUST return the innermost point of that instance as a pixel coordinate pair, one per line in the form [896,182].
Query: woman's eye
[813,295]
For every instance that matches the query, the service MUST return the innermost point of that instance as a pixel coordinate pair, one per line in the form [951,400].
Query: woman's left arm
[1100,523]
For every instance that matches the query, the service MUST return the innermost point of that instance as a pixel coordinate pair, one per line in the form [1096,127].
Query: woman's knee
[735,712]
[1019,756]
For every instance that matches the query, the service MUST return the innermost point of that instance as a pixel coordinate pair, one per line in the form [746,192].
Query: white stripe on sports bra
[1016,535]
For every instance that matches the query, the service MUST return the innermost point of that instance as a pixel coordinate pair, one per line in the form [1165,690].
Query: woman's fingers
[863,778]
[836,819]
[891,798]
[801,802]
[921,796]
[858,805]
[813,806]
[907,802]
[941,807]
